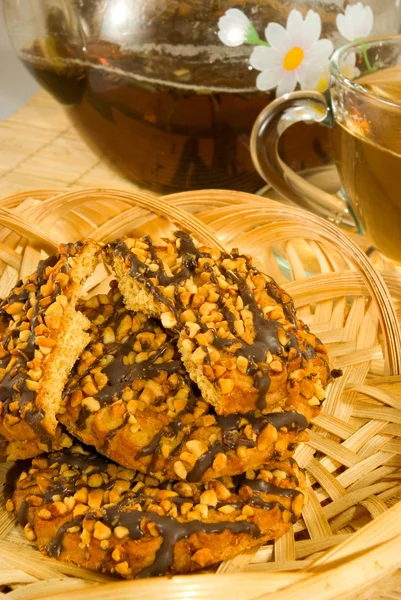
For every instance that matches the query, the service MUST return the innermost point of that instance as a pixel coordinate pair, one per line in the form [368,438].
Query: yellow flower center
[293,58]
[322,84]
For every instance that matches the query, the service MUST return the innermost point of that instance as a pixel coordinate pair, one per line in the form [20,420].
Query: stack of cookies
[165,412]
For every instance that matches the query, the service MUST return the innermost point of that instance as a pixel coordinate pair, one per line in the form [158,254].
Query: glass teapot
[168,90]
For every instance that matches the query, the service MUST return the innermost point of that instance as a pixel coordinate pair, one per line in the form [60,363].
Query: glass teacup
[363,108]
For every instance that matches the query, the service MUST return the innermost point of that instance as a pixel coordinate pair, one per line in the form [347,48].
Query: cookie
[80,508]
[239,335]
[42,335]
[130,397]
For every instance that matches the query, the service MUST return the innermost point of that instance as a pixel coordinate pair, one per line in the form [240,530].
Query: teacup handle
[267,130]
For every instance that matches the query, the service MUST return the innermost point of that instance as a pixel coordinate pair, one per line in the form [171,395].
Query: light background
[16,84]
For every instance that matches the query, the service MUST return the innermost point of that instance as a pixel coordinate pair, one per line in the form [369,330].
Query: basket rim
[376,540]
[165,206]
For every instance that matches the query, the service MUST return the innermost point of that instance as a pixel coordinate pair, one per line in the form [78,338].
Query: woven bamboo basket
[347,544]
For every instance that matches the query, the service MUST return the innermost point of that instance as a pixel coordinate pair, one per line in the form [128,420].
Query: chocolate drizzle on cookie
[169,439]
[231,437]
[172,531]
[62,486]
[260,485]
[119,372]
[230,423]
[172,429]
[266,339]
[205,461]
[289,419]
[55,547]
[142,273]
[268,332]
[80,460]
[131,511]
[13,385]
[121,375]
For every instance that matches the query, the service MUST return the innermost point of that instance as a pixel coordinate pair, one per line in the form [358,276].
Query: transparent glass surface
[366,100]
[152,87]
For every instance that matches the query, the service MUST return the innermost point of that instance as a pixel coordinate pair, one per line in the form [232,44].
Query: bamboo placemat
[40,148]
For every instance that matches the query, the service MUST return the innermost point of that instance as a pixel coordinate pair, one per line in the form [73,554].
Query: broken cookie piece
[239,335]
[42,336]
[81,508]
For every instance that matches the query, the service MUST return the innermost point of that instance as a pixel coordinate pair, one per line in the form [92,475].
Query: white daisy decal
[356,22]
[234,27]
[296,54]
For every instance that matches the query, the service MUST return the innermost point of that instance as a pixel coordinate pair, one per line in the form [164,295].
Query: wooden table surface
[39,148]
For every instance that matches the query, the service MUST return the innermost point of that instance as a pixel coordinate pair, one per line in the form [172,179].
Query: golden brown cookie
[130,397]
[239,336]
[42,335]
[83,509]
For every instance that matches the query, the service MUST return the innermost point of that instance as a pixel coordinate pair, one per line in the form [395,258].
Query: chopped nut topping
[33,329]
[230,317]
[144,512]
[156,413]
[180,470]
[101,531]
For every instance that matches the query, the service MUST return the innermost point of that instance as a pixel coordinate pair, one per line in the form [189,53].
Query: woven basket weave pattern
[345,545]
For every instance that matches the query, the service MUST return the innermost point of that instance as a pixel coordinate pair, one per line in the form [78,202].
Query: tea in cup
[363,108]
